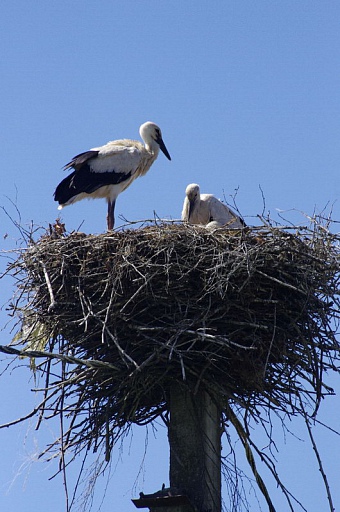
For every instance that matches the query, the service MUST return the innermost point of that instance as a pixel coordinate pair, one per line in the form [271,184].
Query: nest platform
[246,314]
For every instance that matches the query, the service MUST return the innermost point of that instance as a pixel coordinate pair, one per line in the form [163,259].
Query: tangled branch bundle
[249,314]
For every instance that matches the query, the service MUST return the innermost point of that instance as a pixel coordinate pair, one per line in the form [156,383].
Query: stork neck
[152,147]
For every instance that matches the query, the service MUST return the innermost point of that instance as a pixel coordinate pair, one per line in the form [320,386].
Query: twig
[48,282]
[318,458]
[30,414]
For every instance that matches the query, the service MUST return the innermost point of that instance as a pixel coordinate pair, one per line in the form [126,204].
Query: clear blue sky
[246,93]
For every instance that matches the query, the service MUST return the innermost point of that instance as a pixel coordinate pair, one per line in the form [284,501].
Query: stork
[104,172]
[207,210]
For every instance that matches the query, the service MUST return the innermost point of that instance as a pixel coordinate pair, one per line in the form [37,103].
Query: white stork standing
[206,210]
[106,171]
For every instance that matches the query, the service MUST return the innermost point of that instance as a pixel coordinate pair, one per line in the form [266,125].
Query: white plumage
[207,210]
[104,172]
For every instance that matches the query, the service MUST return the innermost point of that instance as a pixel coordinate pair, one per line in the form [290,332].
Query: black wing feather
[82,179]
[79,160]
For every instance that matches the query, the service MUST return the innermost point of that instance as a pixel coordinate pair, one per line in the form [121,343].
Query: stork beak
[191,206]
[163,148]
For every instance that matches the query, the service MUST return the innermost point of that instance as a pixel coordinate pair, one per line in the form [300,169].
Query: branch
[93,364]
[29,415]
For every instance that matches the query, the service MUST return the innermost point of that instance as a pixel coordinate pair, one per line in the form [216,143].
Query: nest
[249,315]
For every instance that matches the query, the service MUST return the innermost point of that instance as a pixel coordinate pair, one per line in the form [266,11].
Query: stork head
[193,194]
[152,136]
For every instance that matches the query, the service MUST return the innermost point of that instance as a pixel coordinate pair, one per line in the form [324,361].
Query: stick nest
[251,315]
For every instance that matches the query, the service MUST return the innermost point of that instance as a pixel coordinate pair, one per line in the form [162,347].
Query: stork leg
[110,214]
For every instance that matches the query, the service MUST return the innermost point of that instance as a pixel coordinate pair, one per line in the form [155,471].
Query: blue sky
[247,95]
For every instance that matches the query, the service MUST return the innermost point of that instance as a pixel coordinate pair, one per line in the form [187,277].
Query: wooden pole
[195,447]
